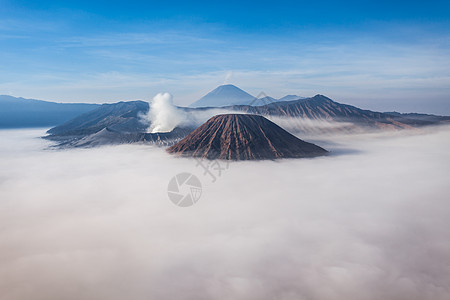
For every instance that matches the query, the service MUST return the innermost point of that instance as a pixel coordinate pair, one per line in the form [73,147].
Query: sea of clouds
[370,221]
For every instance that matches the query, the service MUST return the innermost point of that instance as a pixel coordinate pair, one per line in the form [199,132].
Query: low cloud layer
[368,222]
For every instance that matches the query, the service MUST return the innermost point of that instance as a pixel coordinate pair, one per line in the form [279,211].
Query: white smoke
[163,115]
[228,75]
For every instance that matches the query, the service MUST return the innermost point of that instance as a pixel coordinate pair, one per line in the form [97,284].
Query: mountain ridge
[321,107]
[124,118]
[18,112]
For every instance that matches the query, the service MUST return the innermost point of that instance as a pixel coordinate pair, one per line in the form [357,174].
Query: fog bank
[370,221]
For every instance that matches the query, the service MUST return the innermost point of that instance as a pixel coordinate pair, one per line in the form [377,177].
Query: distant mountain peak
[291,98]
[224,95]
[228,85]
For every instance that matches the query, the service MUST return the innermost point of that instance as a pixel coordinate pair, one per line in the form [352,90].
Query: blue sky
[374,54]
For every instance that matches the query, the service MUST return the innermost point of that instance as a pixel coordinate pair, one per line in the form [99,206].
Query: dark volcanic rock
[243,137]
[108,136]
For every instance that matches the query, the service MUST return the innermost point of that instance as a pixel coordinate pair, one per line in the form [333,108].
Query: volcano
[243,137]
[224,95]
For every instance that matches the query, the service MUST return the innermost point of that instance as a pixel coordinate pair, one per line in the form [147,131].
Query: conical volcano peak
[227,86]
[224,95]
[243,137]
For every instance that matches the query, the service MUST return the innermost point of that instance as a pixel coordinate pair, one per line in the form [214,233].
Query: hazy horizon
[363,104]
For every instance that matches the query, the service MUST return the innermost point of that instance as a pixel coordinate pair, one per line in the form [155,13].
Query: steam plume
[163,115]
[227,77]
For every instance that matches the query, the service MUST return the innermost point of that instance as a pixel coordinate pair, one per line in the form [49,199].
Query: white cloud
[370,222]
